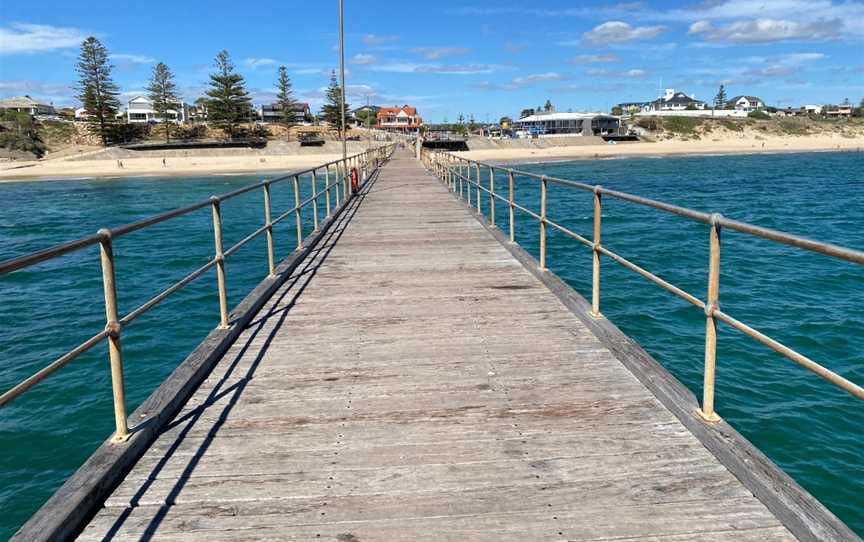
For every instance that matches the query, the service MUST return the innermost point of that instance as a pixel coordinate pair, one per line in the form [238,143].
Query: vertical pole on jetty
[707,411]
[461,182]
[479,181]
[327,188]
[220,261]
[342,76]
[492,195]
[268,222]
[297,218]
[315,199]
[543,223]
[595,286]
[115,353]
[510,198]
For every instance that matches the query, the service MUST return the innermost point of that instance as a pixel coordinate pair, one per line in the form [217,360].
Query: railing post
[461,182]
[595,248]
[220,261]
[268,222]
[297,217]
[543,223]
[315,199]
[468,181]
[707,411]
[327,188]
[492,195]
[337,181]
[112,319]
[479,181]
[512,213]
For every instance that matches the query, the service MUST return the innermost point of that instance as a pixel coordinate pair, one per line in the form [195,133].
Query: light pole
[342,75]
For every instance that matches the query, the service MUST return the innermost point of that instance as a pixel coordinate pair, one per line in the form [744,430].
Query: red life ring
[355,181]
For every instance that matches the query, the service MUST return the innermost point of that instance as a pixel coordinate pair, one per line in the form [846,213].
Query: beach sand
[725,145]
[64,168]
[152,166]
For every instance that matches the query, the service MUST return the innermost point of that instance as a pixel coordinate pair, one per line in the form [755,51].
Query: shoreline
[661,155]
[254,164]
[666,149]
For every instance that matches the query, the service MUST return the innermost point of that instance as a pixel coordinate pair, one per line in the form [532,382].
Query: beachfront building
[26,104]
[362,116]
[746,103]
[566,124]
[838,111]
[674,101]
[300,114]
[139,110]
[399,119]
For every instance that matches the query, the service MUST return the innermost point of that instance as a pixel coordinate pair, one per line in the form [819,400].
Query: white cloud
[630,74]
[445,69]
[456,69]
[57,93]
[765,30]
[612,32]
[20,38]
[373,39]
[522,82]
[362,59]
[132,59]
[260,62]
[436,53]
[595,59]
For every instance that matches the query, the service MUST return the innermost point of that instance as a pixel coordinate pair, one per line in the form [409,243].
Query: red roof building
[399,119]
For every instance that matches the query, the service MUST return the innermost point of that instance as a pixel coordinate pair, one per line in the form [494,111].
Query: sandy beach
[766,144]
[151,166]
[270,164]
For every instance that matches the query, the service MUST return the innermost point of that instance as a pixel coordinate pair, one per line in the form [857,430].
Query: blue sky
[449,58]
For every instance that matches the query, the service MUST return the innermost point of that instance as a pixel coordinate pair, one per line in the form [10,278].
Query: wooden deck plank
[415,382]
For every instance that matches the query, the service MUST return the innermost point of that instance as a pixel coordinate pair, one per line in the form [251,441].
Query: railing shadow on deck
[299,281]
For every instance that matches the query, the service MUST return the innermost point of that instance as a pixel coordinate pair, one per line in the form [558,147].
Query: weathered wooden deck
[413,381]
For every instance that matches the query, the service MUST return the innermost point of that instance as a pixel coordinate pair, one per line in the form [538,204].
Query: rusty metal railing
[456,172]
[365,163]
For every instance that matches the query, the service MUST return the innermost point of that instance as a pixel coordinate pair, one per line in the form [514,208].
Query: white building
[26,104]
[747,103]
[674,101]
[566,124]
[140,110]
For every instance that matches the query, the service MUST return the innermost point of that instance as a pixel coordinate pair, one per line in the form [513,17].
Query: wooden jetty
[417,378]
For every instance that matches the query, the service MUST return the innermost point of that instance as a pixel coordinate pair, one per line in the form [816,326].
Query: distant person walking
[163,162]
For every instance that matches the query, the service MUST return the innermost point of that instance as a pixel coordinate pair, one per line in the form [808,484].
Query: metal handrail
[456,172]
[365,162]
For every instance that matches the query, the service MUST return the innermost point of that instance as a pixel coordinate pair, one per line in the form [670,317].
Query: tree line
[227,100]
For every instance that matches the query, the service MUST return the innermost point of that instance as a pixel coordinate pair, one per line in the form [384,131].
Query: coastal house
[813,109]
[361,116]
[674,101]
[746,103]
[140,110]
[81,114]
[838,112]
[399,119]
[300,114]
[566,124]
[26,104]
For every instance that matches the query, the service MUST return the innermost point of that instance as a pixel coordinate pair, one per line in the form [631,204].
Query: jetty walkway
[413,381]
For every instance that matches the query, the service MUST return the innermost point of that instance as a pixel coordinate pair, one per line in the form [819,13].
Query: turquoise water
[809,302]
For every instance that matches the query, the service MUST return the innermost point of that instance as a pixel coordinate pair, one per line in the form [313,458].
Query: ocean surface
[812,303]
